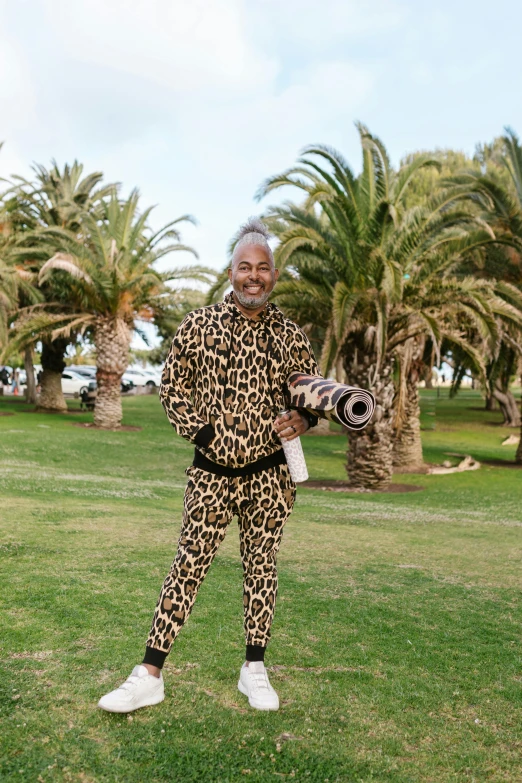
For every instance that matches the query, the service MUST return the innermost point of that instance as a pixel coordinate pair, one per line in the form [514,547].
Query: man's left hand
[291,425]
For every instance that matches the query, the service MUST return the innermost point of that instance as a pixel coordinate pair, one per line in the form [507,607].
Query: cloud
[17,98]
[235,146]
[192,102]
[267,128]
[183,46]
[305,23]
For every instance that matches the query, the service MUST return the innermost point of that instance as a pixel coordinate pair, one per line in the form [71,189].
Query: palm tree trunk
[518,456]
[508,406]
[51,399]
[407,447]
[370,461]
[112,339]
[30,388]
[339,370]
[491,403]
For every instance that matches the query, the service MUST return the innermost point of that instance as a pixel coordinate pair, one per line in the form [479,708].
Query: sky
[196,102]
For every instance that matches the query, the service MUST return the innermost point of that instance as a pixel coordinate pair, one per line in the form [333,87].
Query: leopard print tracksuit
[222,387]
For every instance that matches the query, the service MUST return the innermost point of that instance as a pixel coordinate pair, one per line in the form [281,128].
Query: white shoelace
[260,680]
[131,682]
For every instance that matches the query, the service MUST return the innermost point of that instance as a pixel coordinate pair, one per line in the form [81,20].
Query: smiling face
[253,276]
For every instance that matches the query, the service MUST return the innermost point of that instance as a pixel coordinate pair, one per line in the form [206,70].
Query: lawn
[396,648]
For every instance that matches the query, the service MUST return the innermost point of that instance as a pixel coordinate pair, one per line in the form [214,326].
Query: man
[222,388]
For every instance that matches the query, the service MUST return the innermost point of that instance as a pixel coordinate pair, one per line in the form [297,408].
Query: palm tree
[112,284]
[501,206]
[16,285]
[374,276]
[171,312]
[407,444]
[8,298]
[9,280]
[55,199]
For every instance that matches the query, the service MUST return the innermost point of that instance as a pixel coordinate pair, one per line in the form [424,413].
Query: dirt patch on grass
[6,413]
[35,656]
[87,425]
[57,412]
[332,485]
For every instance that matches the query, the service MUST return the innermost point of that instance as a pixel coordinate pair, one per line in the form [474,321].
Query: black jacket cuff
[204,435]
[312,418]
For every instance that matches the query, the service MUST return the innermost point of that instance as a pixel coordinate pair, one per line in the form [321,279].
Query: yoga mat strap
[200,461]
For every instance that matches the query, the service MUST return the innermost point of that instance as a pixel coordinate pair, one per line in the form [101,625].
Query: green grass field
[396,645]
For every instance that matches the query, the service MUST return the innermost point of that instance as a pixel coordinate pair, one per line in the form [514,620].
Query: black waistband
[200,461]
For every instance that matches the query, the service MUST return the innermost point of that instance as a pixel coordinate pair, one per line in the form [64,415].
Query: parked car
[73,382]
[87,370]
[142,377]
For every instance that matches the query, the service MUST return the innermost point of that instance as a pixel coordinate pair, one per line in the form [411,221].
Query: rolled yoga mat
[347,405]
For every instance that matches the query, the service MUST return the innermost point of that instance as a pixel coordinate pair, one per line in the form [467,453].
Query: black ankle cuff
[254,652]
[154,657]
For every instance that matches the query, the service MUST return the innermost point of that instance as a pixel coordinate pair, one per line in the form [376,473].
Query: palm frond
[67,264]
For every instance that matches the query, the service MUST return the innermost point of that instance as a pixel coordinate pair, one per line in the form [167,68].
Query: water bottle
[294,456]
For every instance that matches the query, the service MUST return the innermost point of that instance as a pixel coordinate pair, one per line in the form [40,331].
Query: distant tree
[172,310]
[53,199]
[16,288]
[113,284]
[428,179]
[496,193]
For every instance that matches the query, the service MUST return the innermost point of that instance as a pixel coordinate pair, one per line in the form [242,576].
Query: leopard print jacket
[223,383]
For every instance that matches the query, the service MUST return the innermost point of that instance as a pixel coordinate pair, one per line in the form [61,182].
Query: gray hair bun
[252,226]
[253,232]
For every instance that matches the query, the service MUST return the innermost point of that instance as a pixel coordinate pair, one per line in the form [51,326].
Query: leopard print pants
[262,502]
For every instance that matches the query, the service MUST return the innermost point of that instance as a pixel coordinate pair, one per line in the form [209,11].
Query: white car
[142,377]
[87,371]
[73,383]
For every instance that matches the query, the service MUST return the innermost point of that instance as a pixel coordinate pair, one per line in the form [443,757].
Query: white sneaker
[254,683]
[140,689]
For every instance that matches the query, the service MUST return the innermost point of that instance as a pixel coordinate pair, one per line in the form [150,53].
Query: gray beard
[252,301]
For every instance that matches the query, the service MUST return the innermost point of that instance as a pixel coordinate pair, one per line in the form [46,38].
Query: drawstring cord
[228,358]
[269,368]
